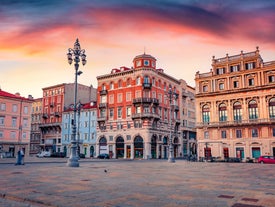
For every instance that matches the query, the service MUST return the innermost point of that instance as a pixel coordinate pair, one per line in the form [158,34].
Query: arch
[222,112]
[103,145]
[138,147]
[253,109]
[271,108]
[120,147]
[119,83]
[138,80]
[128,82]
[154,146]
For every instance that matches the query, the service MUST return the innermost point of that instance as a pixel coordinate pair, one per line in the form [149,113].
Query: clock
[146,62]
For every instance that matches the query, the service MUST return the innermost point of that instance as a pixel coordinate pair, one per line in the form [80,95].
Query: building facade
[35,137]
[15,123]
[86,121]
[134,118]
[55,100]
[235,105]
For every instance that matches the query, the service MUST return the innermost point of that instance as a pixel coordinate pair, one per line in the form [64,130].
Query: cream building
[235,107]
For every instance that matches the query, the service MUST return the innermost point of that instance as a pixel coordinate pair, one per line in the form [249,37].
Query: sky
[182,35]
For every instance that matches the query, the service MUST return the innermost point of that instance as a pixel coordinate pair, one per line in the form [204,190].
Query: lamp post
[172,96]
[74,55]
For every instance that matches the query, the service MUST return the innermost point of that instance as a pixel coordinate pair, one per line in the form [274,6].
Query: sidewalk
[149,183]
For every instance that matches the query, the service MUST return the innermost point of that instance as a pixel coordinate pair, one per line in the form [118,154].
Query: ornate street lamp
[74,55]
[172,96]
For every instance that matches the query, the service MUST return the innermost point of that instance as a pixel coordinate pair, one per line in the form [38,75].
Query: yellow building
[235,107]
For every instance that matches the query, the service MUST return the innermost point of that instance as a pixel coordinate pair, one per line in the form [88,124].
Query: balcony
[145,116]
[101,119]
[45,116]
[147,85]
[102,105]
[57,114]
[103,92]
[143,100]
[236,123]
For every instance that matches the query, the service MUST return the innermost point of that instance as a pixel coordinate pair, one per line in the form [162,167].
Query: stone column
[132,151]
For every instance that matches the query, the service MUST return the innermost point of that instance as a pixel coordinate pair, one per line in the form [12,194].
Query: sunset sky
[182,35]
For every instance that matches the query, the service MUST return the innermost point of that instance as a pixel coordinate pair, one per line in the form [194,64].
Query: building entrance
[138,147]
[154,147]
[120,147]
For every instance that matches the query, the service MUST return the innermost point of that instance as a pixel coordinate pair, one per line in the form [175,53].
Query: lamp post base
[73,162]
[171,160]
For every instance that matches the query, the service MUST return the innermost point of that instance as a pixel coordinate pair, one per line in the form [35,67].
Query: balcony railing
[145,100]
[102,105]
[236,123]
[103,92]
[45,116]
[145,115]
[57,114]
[102,118]
[147,85]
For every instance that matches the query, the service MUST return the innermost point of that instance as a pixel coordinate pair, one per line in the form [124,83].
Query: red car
[266,159]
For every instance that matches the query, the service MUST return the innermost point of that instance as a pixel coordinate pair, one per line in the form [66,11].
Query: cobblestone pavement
[49,182]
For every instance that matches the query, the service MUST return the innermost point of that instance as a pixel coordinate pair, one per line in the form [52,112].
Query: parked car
[266,159]
[103,156]
[44,154]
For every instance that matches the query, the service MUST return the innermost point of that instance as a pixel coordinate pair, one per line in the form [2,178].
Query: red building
[134,112]
[15,123]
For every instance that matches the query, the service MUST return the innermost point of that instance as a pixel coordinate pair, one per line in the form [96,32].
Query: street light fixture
[74,55]
[172,96]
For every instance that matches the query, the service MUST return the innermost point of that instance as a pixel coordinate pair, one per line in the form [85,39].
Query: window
[138,81]
[253,110]
[221,86]
[24,135]
[2,120]
[111,113]
[138,109]
[103,99]
[272,108]
[128,96]
[119,112]
[102,113]
[26,110]
[1,134]
[206,135]
[220,71]
[205,114]
[251,81]
[239,133]
[128,137]
[111,138]
[128,82]
[13,121]
[128,124]
[254,132]
[249,66]
[138,94]
[273,132]
[146,79]
[236,84]
[222,112]
[128,111]
[234,68]
[271,79]
[119,84]
[111,99]
[237,111]
[205,88]
[14,108]
[119,98]
[223,134]
[25,122]
[138,124]
[111,86]
[3,107]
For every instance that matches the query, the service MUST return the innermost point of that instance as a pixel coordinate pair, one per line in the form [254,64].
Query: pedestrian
[22,156]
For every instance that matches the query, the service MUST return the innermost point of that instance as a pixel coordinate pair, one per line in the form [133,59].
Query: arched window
[138,81]
[103,87]
[111,86]
[119,83]
[129,82]
[237,111]
[253,109]
[222,112]
[272,108]
[146,79]
[205,114]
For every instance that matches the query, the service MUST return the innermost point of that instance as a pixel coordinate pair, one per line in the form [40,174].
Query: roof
[144,56]
[13,96]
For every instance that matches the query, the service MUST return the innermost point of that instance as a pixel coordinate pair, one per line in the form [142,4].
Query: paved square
[49,182]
